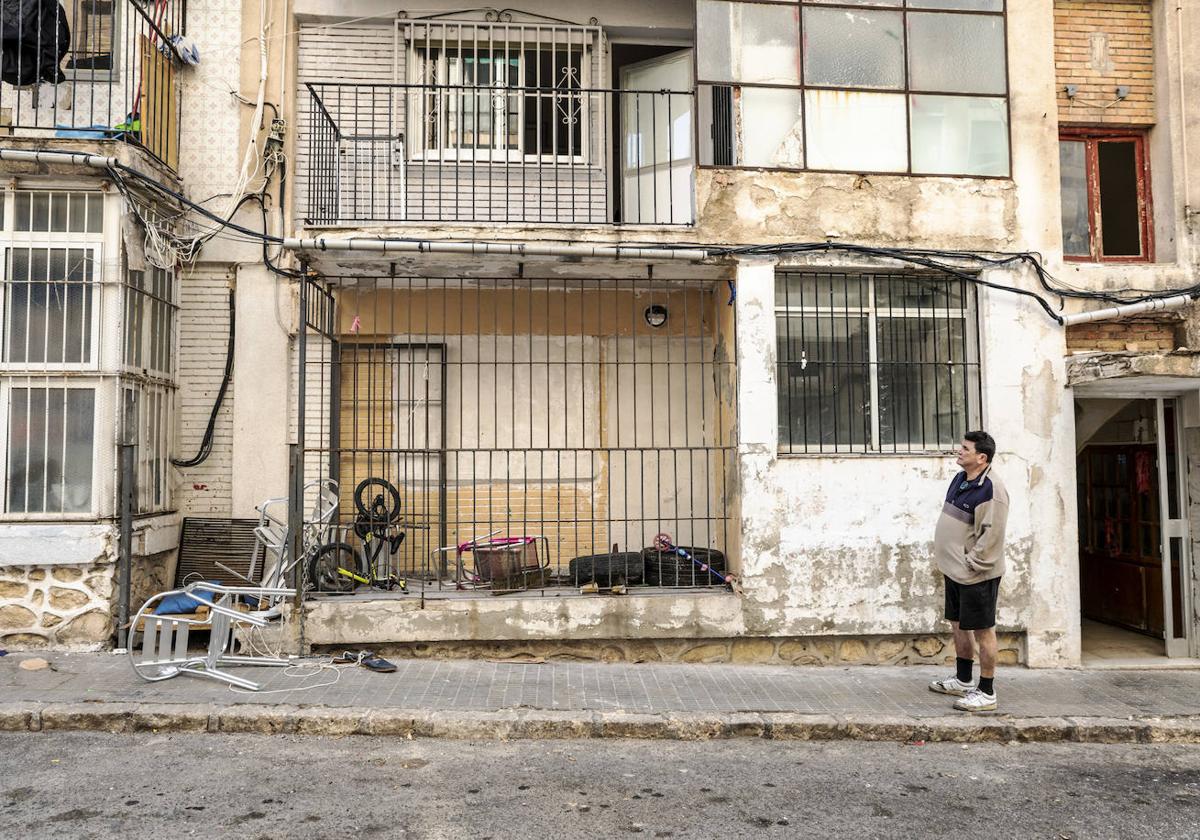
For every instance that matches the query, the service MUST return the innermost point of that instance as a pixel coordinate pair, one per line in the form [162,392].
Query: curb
[525,724]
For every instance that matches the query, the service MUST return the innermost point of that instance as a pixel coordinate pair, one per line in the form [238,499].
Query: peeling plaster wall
[841,545]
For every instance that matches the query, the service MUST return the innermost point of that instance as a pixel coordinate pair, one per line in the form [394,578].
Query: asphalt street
[84,785]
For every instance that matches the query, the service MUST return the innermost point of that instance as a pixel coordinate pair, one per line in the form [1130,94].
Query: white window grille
[150,320]
[50,449]
[146,417]
[501,92]
[81,366]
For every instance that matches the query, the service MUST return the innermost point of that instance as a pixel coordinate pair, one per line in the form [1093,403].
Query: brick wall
[1097,46]
[1119,336]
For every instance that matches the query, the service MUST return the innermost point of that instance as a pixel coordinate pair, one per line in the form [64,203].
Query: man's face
[968,458]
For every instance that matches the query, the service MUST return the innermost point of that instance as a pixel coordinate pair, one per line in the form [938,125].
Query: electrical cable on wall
[206,443]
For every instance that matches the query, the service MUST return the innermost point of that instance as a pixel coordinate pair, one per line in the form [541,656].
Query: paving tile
[646,688]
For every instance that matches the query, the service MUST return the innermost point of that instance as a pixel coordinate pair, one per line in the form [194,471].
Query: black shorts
[972,605]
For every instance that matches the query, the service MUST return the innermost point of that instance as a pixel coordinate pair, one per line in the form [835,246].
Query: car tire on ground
[665,568]
[608,569]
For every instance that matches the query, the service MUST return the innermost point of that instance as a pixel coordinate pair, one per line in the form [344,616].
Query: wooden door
[1120,561]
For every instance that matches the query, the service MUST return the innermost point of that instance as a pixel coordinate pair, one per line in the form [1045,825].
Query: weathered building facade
[738,272]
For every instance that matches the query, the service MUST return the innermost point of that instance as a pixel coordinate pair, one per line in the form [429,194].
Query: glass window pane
[1072,167]
[18,449]
[956,53]
[58,212]
[922,389]
[959,135]
[813,290]
[771,128]
[49,302]
[860,2]
[747,42]
[903,293]
[845,48]
[964,5]
[40,219]
[855,131]
[1120,199]
[77,489]
[22,217]
[824,382]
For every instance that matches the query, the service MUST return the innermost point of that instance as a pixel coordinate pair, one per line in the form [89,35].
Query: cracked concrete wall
[1021,213]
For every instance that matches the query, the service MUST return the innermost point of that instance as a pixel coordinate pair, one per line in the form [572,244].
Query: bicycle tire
[323,568]
[378,512]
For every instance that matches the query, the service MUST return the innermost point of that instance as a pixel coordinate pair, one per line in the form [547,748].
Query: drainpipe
[1125,310]
[1183,128]
[512,249]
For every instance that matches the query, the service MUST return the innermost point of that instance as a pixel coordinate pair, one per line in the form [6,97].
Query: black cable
[914,257]
[928,258]
[206,443]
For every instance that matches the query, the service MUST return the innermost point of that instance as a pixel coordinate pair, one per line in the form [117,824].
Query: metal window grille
[875,362]
[527,407]
[50,444]
[48,307]
[498,122]
[147,412]
[508,89]
[86,359]
[150,320]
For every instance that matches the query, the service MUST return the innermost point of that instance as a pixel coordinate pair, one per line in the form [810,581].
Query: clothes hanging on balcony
[35,39]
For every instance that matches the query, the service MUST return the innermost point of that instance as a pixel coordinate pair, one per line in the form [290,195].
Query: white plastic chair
[163,652]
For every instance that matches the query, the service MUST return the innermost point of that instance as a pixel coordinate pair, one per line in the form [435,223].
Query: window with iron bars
[481,93]
[149,320]
[875,363]
[78,362]
[49,342]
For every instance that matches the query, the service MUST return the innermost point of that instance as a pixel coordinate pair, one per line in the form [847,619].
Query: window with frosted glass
[905,86]
[48,306]
[49,464]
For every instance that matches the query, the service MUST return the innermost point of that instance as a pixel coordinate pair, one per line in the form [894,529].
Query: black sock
[985,685]
[964,667]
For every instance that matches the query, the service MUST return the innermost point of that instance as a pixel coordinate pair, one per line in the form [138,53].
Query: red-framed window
[1106,206]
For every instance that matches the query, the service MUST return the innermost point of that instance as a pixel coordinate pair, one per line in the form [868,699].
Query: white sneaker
[976,701]
[953,686]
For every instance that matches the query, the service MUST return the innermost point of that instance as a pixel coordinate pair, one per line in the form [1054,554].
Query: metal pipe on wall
[514,249]
[127,483]
[1113,312]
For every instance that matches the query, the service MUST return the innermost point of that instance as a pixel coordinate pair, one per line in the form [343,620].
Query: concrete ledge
[526,724]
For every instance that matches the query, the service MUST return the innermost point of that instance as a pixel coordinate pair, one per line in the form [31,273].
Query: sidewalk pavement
[481,699]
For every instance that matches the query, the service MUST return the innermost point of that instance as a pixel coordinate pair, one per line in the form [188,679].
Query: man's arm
[990,521]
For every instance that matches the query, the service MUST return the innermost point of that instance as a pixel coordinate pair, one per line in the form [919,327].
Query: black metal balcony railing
[93,69]
[474,153]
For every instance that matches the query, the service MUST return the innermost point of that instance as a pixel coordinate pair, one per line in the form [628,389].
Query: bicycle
[338,566]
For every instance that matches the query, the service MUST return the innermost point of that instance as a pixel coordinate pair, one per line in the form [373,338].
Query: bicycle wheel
[383,506]
[323,568]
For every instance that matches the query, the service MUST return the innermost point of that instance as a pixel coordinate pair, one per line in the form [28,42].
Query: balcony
[498,153]
[94,70]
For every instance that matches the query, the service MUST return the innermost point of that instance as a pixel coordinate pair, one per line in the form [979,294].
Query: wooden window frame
[1091,137]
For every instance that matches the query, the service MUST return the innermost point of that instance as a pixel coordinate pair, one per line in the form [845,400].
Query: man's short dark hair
[985,444]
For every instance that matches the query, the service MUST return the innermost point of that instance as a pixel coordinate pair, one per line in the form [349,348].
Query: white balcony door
[657,153]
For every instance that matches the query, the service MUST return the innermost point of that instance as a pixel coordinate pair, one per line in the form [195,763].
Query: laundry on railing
[35,39]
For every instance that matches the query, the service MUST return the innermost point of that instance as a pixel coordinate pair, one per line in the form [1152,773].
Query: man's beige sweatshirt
[969,540]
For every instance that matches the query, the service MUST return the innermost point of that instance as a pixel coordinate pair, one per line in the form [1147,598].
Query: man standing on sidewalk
[969,547]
